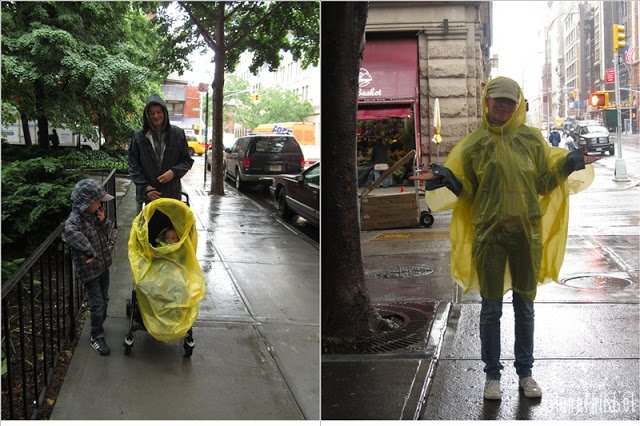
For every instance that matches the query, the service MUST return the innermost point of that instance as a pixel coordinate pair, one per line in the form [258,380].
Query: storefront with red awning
[388,101]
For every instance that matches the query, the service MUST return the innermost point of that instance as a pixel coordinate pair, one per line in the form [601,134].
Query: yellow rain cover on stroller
[167,278]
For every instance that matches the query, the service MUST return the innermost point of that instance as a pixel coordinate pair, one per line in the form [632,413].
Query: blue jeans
[490,314]
[98,292]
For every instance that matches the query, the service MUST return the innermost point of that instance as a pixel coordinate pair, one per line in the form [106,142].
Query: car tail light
[302,162]
[246,162]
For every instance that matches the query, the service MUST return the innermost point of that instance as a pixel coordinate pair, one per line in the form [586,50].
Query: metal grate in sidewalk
[414,320]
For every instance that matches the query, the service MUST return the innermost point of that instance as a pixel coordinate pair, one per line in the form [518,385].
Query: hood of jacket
[86,192]
[517,119]
[155,100]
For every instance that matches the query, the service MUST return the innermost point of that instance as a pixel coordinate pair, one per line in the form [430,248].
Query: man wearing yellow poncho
[509,193]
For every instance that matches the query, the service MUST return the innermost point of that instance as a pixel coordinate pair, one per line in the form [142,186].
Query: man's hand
[154,195]
[588,159]
[90,260]
[166,177]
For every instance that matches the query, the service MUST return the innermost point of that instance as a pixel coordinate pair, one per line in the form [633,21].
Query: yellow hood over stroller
[168,281]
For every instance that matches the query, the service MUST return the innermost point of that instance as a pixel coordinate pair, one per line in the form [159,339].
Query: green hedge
[36,187]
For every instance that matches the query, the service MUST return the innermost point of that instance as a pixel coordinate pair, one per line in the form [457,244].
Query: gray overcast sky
[518,39]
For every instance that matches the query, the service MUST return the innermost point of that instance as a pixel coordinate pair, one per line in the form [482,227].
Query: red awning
[384,113]
[389,70]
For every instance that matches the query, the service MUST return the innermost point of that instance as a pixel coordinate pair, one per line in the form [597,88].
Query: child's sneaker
[492,389]
[530,388]
[100,345]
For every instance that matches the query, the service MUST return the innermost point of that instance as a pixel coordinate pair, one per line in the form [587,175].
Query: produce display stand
[385,210]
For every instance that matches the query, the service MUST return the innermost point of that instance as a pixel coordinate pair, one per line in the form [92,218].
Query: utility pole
[620,171]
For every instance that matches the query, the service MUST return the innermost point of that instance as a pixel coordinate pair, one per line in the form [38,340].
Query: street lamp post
[620,170]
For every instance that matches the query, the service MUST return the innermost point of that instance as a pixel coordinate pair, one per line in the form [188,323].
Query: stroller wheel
[188,346]
[128,344]
[426,219]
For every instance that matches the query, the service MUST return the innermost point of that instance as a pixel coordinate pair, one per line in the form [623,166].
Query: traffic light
[599,99]
[618,37]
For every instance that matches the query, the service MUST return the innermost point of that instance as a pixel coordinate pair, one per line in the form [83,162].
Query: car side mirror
[227,150]
[299,178]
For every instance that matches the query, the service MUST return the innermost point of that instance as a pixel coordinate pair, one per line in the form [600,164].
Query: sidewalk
[256,338]
[587,342]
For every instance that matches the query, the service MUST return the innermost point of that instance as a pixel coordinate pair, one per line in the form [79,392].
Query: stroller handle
[183,197]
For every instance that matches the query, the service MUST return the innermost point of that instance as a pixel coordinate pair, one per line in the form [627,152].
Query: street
[196,179]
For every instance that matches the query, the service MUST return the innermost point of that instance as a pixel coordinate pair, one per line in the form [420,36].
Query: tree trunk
[43,123]
[217,174]
[347,311]
[25,129]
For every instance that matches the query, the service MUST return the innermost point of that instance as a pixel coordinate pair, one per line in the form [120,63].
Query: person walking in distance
[509,222]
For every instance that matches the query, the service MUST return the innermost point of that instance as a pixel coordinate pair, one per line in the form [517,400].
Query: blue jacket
[143,167]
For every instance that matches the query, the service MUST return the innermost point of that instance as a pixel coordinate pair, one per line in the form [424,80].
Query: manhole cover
[599,282]
[404,272]
[411,336]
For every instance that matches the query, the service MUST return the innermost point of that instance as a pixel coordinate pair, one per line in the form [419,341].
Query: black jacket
[143,167]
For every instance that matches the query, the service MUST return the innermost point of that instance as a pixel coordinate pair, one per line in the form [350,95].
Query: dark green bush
[35,199]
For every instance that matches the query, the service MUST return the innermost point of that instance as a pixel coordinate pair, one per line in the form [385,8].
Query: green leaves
[275,106]
[35,193]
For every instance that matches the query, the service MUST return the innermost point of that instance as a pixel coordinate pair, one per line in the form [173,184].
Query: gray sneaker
[530,388]
[492,389]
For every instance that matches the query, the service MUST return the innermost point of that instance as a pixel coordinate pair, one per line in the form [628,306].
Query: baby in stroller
[168,281]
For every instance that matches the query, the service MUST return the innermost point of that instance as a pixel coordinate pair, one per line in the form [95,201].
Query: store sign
[609,76]
[388,71]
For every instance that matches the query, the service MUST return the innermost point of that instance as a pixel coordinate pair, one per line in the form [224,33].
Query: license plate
[275,168]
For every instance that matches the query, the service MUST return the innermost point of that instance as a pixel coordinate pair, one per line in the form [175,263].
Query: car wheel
[283,209]
[201,154]
[612,151]
[190,151]
[239,182]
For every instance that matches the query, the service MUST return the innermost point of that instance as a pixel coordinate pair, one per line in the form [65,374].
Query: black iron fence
[41,306]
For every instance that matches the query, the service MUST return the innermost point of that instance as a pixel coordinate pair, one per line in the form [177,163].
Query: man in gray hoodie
[158,155]
[86,232]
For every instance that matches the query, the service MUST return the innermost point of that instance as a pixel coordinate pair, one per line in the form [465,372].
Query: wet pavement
[256,339]
[587,342]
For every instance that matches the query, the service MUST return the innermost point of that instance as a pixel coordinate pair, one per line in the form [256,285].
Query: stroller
[168,283]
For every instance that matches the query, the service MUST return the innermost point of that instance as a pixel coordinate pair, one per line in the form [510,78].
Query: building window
[175,109]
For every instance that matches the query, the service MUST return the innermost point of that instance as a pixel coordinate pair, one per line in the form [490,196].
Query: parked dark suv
[256,158]
[593,137]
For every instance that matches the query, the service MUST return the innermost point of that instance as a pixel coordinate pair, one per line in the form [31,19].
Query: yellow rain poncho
[509,224]
[168,280]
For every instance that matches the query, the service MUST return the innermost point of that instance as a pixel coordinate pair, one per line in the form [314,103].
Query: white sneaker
[492,389]
[530,388]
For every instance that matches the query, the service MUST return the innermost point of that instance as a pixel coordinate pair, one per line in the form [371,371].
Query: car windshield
[271,144]
[313,174]
[594,129]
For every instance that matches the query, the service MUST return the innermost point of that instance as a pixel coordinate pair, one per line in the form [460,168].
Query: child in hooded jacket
[86,232]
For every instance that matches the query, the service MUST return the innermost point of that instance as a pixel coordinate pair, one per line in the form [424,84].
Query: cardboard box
[384,210]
